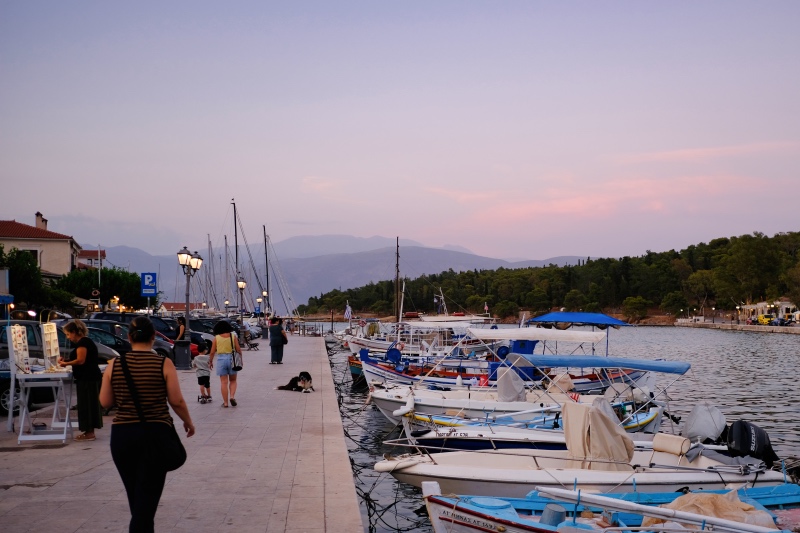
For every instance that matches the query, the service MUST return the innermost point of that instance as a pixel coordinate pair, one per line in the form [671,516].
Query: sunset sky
[516,129]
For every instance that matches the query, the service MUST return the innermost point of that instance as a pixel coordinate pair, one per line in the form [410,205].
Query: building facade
[56,254]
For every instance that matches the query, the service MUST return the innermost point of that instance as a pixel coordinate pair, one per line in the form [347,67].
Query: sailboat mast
[236,251]
[227,275]
[397,281]
[266,272]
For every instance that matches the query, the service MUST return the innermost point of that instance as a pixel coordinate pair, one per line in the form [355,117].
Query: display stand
[52,376]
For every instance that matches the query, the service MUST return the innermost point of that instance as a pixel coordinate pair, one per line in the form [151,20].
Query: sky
[515,129]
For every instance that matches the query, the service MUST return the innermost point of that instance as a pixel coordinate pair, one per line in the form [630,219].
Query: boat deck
[276,463]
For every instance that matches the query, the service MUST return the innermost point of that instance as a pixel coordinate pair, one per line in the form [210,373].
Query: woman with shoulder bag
[223,347]
[277,338]
[143,438]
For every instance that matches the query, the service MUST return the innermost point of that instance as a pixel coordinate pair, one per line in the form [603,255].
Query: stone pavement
[276,463]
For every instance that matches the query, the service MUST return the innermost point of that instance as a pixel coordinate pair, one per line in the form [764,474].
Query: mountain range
[313,265]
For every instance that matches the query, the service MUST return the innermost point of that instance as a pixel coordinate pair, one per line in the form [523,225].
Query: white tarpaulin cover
[536,334]
[593,439]
[705,421]
[510,387]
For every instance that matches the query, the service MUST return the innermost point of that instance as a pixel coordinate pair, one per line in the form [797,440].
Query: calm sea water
[747,375]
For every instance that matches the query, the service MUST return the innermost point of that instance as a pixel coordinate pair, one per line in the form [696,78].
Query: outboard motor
[705,424]
[745,438]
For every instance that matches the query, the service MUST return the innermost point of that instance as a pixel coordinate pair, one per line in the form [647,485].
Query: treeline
[724,273]
[32,292]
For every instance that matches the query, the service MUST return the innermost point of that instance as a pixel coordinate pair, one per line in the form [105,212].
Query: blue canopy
[597,361]
[579,319]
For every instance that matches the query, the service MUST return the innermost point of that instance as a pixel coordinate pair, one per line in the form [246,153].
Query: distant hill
[316,245]
[311,275]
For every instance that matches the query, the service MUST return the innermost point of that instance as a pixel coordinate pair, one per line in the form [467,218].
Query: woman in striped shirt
[156,384]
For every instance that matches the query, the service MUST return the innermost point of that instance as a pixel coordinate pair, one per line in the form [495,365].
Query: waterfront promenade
[276,463]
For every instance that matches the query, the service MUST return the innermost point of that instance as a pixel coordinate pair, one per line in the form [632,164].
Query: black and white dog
[299,383]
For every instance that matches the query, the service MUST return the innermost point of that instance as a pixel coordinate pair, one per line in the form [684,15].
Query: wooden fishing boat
[570,510]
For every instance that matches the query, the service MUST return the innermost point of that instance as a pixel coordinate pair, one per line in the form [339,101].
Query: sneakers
[204,399]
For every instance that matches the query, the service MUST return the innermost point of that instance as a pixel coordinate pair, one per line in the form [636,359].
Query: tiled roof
[181,306]
[11,229]
[91,254]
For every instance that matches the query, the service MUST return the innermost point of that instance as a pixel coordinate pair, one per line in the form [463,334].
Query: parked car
[162,345]
[36,353]
[105,338]
[195,336]
[126,318]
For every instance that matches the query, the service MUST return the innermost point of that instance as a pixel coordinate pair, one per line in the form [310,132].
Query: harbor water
[748,375]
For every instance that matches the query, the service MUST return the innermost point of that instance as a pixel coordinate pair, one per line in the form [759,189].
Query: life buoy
[95,293]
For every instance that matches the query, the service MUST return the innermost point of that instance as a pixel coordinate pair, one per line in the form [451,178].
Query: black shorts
[204,381]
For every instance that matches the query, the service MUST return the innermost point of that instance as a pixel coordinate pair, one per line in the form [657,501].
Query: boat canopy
[601,361]
[536,334]
[578,319]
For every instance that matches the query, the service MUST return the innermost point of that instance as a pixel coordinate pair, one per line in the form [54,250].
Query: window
[35,255]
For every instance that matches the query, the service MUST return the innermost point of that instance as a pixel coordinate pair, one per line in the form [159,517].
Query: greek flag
[348,312]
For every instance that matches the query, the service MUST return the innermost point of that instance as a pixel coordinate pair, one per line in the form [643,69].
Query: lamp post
[713,314]
[264,295]
[226,308]
[241,283]
[191,263]
[737,313]
[258,301]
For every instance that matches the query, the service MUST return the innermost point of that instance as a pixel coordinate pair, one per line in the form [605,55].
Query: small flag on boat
[485,307]
[575,396]
[348,312]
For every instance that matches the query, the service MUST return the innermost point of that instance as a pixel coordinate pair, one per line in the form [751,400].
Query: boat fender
[407,408]
[502,352]
[390,464]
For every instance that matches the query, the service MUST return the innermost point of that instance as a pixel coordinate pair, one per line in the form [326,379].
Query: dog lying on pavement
[300,383]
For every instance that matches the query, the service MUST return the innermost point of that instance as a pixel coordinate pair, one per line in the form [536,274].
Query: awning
[597,361]
[536,334]
[578,319]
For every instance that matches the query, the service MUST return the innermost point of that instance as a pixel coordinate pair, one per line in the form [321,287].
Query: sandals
[225,405]
[233,402]
[84,437]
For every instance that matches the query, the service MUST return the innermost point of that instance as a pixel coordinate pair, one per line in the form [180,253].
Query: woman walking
[154,383]
[223,346]
[83,360]
[277,338]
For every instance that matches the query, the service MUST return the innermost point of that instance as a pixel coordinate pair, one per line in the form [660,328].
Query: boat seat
[672,444]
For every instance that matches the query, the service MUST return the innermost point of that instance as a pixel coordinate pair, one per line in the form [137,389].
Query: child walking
[200,364]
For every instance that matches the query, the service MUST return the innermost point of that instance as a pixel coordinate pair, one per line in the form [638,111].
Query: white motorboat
[599,457]
[511,395]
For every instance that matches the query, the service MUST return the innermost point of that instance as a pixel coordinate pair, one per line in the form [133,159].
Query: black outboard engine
[745,438]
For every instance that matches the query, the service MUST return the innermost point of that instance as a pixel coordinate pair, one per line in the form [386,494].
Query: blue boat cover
[579,319]
[597,361]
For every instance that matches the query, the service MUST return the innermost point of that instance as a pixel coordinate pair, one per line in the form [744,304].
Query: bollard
[183,355]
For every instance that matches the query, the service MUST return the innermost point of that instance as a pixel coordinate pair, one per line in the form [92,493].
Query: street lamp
[258,301]
[191,263]
[737,313]
[226,308]
[713,314]
[241,283]
[266,302]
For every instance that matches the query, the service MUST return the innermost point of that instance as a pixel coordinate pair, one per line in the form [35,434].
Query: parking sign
[149,286]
